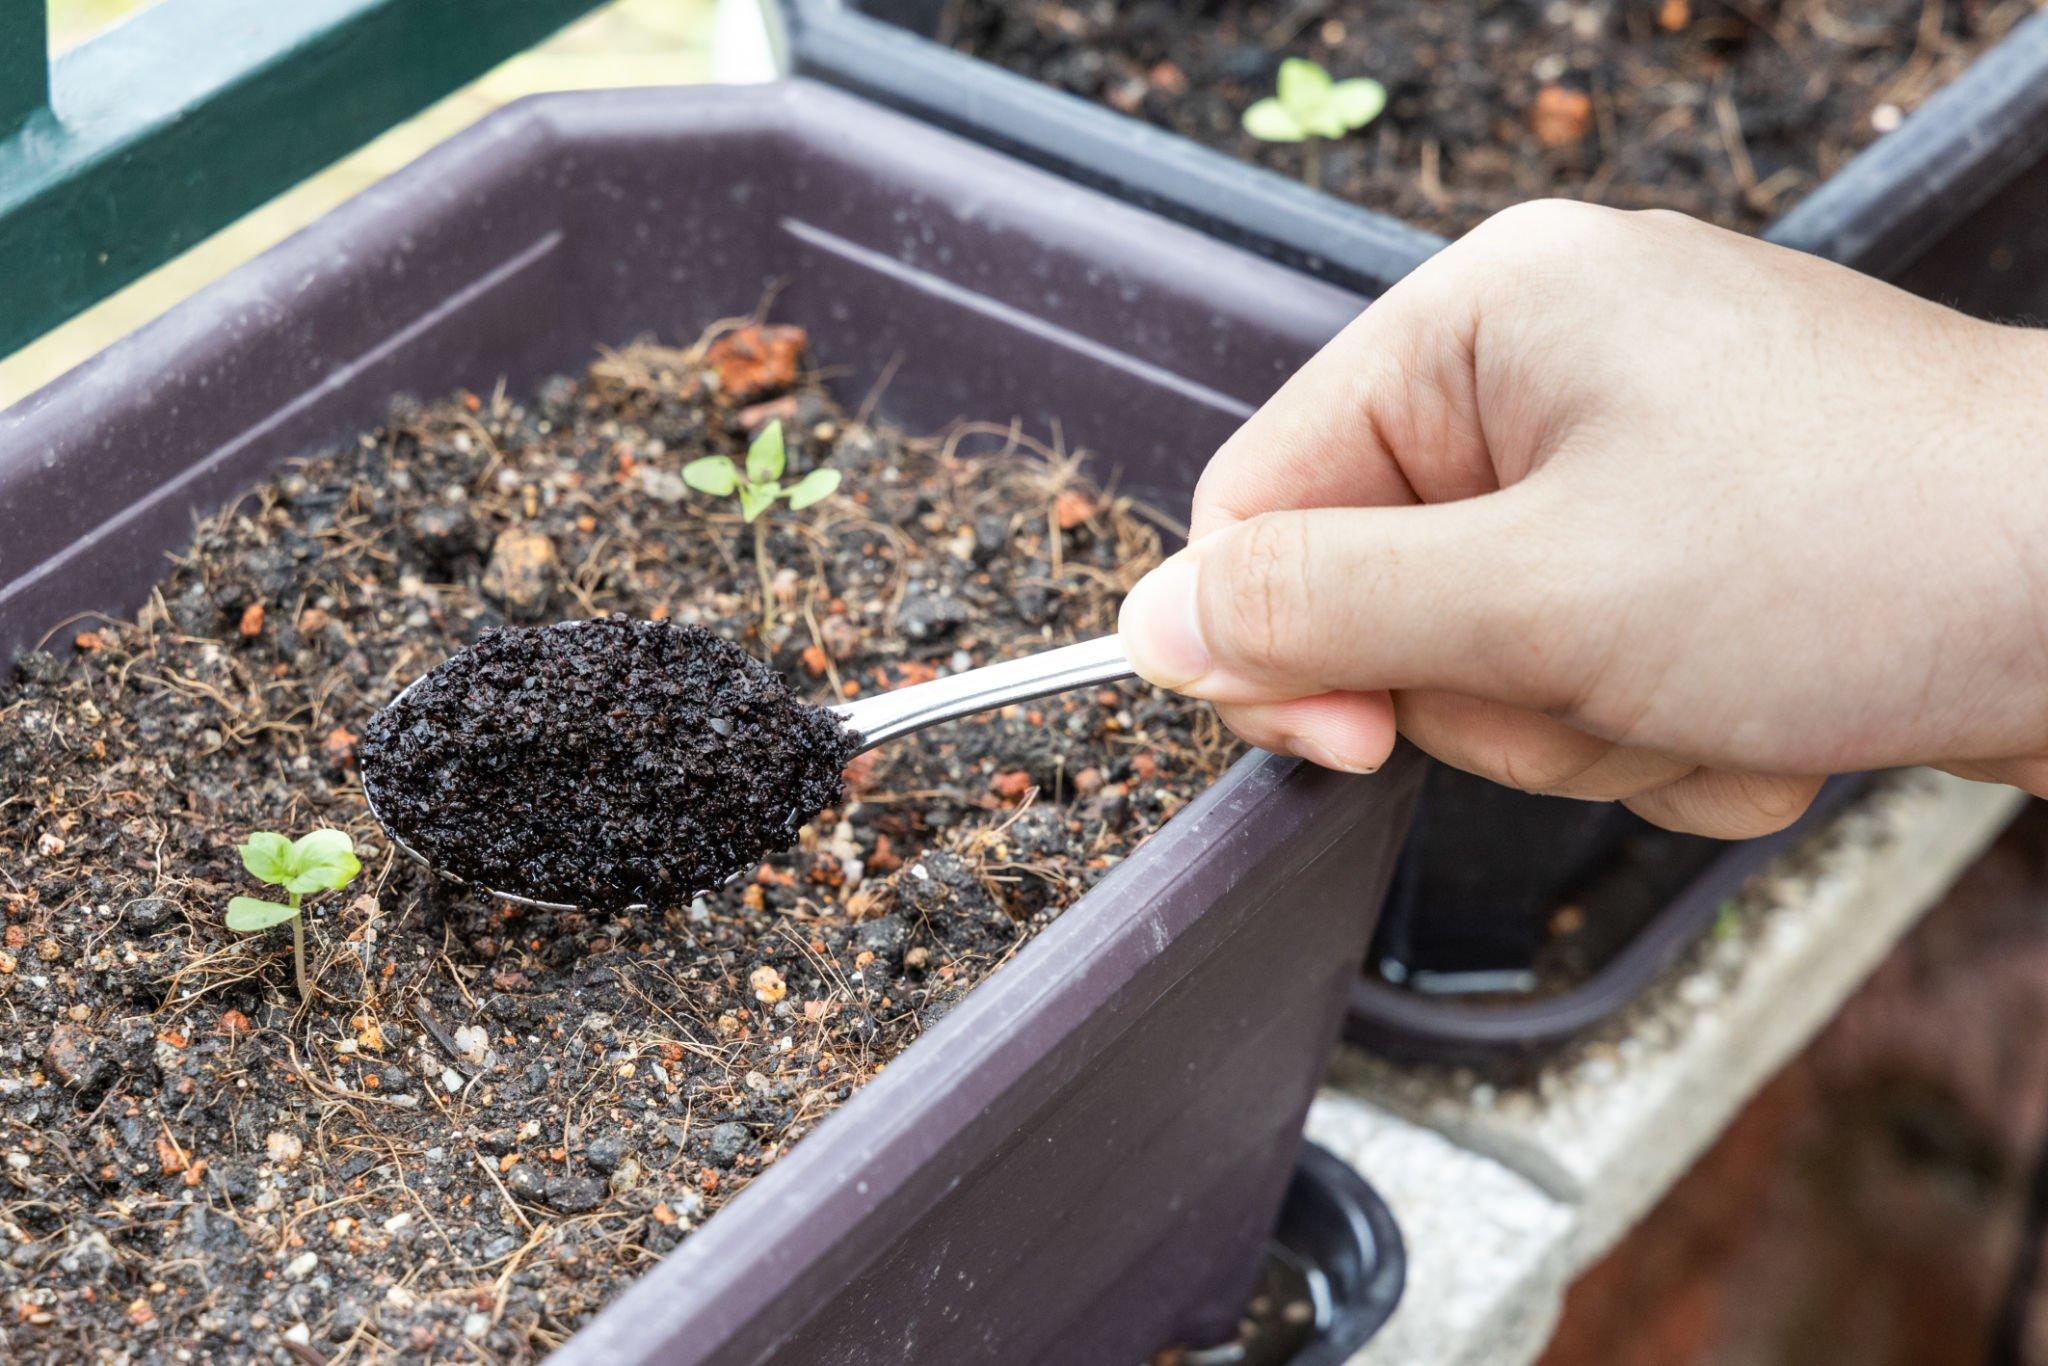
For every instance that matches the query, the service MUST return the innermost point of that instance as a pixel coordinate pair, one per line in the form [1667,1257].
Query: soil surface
[492,1118]
[1723,109]
[607,763]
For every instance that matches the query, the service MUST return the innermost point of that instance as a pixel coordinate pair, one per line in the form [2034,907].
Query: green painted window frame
[128,149]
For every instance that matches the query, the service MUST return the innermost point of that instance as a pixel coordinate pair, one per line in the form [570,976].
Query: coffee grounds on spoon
[602,763]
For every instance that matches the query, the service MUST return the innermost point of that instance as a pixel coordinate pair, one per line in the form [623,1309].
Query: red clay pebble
[759,415]
[1011,785]
[1561,116]
[71,1057]
[170,1158]
[752,362]
[1168,77]
[339,746]
[1072,508]
[860,772]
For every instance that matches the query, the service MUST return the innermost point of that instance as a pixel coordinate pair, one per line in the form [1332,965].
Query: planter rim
[1960,147]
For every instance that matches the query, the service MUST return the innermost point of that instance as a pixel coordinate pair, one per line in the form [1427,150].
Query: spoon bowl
[884,716]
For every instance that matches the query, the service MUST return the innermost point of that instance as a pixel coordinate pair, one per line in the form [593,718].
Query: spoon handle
[886,715]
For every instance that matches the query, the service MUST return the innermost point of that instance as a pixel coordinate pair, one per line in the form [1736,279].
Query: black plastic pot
[1342,1238]
[1337,1254]
[1405,1025]
[1483,868]
[1083,1160]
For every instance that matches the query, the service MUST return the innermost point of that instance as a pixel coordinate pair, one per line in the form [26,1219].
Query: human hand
[1621,506]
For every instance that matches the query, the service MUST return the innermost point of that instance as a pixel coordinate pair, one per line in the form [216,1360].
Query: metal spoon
[883,716]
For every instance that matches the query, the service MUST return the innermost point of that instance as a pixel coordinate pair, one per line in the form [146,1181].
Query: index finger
[1385,414]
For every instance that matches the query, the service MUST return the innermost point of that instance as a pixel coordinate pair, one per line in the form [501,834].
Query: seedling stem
[320,861]
[758,487]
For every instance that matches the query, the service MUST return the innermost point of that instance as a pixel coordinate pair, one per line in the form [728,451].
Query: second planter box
[1940,203]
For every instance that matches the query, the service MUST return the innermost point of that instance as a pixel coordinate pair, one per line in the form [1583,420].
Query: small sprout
[760,484]
[1308,105]
[324,860]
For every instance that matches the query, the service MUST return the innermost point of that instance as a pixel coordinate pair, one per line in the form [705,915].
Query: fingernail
[1317,753]
[1161,628]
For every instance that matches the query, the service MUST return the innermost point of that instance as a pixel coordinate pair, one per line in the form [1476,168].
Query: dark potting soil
[493,1117]
[605,763]
[1724,109]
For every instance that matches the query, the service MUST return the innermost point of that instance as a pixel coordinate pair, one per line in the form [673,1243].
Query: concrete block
[1485,1246]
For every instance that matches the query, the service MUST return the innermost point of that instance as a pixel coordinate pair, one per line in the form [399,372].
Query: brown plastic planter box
[1083,1161]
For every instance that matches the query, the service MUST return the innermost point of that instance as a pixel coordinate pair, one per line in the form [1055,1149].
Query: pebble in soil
[607,763]
[494,1117]
[1726,110]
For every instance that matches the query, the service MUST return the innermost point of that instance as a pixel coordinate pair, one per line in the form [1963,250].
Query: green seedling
[759,487]
[1310,108]
[324,860]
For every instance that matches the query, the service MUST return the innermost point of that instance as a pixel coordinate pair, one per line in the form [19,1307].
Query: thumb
[1455,596]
